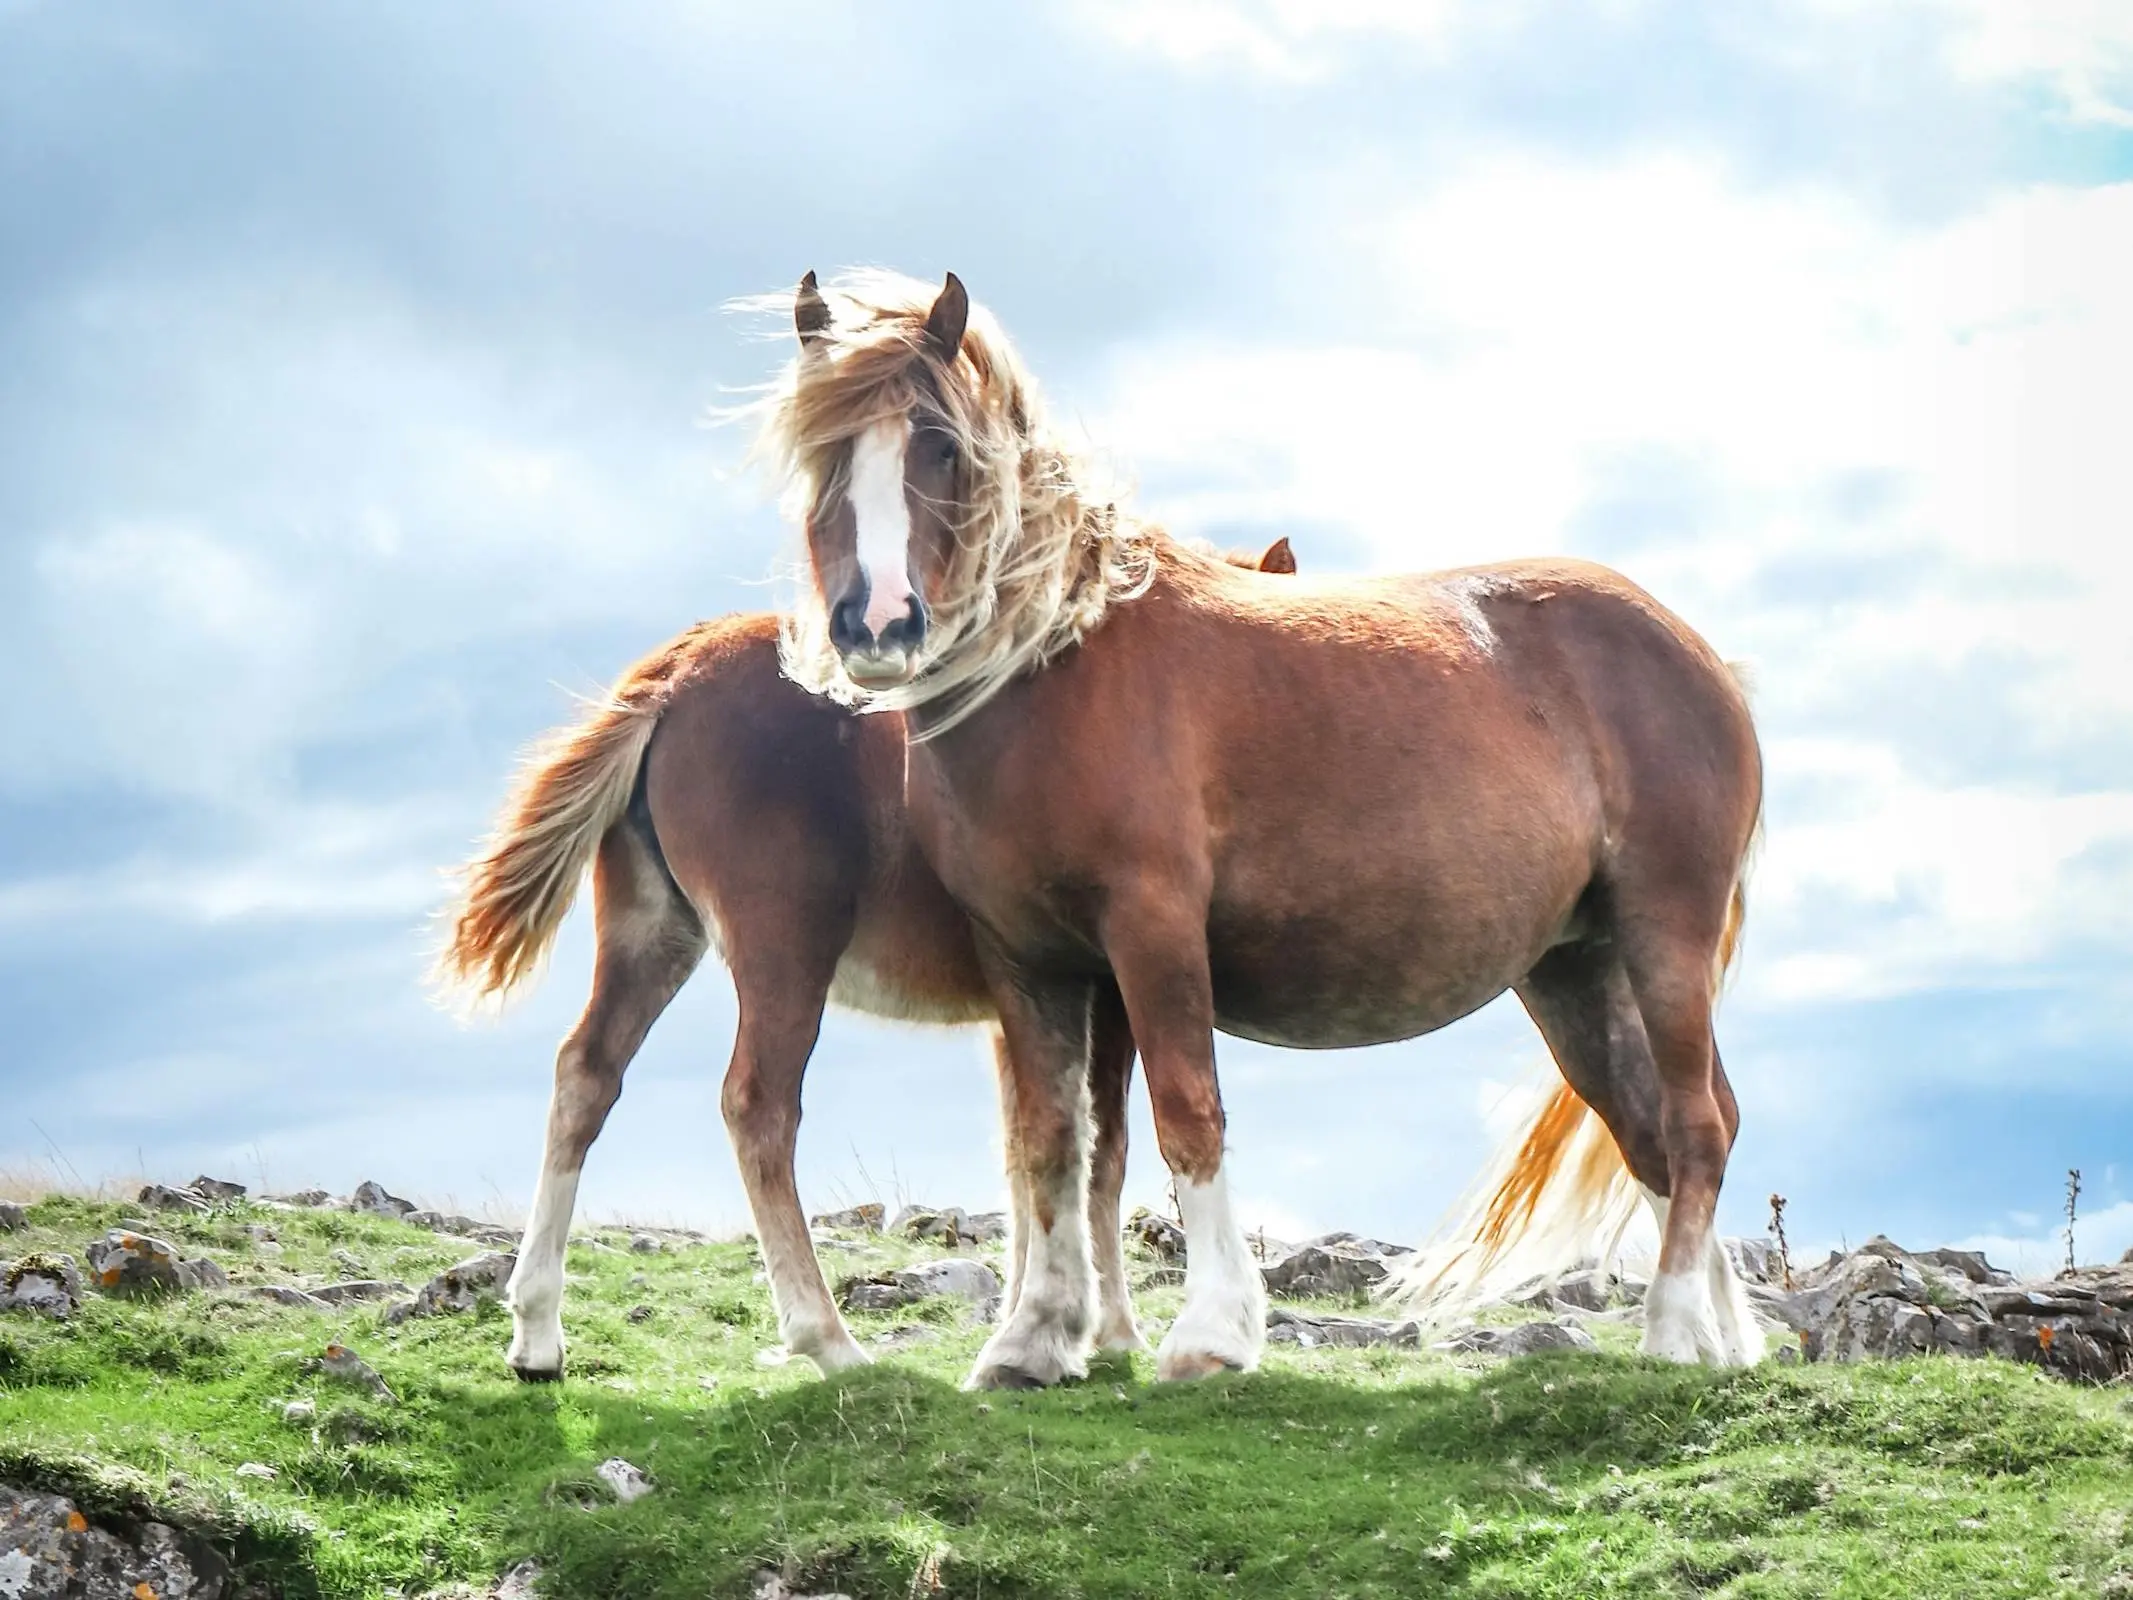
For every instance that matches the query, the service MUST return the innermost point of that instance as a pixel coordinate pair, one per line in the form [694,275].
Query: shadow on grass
[892,1482]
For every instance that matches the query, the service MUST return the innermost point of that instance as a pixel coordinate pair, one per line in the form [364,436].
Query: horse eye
[943,450]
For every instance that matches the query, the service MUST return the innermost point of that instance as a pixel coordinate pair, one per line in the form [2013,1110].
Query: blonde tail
[571,788]
[1556,1193]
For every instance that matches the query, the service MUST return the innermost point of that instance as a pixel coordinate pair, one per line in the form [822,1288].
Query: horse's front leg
[1045,1335]
[1158,952]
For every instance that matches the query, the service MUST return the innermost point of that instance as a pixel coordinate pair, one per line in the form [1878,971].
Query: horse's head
[952,541]
[901,440]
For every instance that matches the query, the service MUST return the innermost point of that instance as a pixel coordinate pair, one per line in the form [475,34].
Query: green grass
[1327,1473]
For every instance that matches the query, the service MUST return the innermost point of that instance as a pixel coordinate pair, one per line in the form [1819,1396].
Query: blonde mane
[1040,558]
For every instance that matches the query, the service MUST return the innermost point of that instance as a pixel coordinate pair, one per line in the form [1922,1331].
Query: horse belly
[1381,955]
[912,959]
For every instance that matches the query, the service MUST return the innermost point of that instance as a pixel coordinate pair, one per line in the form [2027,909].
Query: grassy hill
[1330,1472]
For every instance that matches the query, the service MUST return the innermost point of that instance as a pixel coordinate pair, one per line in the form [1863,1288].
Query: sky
[355,363]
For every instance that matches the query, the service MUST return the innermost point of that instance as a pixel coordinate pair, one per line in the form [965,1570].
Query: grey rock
[127,1263]
[952,1226]
[1586,1289]
[1284,1326]
[772,1586]
[48,1284]
[303,1199]
[1756,1260]
[300,1413]
[13,1218]
[344,1364]
[285,1294]
[639,1314]
[628,1483]
[1157,1235]
[1356,1241]
[522,1582]
[372,1198]
[1970,1263]
[48,1551]
[1525,1339]
[220,1190]
[1314,1270]
[1884,1302]
[958,1277]
[205,1274]
[868,1218]
[349,1263]
[355,1289]
[459,1288]
[644,1244]
[162,1197]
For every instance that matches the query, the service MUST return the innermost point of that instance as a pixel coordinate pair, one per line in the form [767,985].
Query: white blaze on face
[884,520]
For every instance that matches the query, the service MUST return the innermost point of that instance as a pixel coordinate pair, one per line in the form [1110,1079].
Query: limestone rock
[13,1218]
[1284,1326]
[284,1294]
[459,1288]
[1526,1339]
[868,1218]
[1882,1301]
[47,1284]
[1157,1235]
[128,1263]
[371,1198]
[50,1551]
[343,1363]
[303,1199]
[162,1197]
[220,1190]
[951,1227]
[959,1277]
[1324,1269]
[1586,1289]
[628,1483]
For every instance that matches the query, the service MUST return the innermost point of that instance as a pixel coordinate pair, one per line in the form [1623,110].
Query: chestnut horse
[717,802]
[1316,814]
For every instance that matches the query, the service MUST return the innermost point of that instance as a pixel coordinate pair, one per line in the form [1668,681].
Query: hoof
[538,1374]
[1123,1341]
[1004,1378]
[1184,1366]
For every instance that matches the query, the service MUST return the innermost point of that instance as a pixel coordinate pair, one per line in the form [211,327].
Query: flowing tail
[571,788]
[1556,1193]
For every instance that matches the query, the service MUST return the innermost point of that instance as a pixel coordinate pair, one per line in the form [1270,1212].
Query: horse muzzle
[883,659]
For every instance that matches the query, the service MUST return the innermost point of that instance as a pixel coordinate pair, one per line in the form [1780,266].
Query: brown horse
[1313,814]
[717,802]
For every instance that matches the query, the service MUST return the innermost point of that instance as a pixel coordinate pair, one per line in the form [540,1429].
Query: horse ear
[1279,557]
[810,312]
[948,318]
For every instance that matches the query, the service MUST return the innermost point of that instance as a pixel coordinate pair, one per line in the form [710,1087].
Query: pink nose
[888,599]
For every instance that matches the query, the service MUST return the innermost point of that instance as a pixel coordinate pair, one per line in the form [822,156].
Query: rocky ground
[928,1266]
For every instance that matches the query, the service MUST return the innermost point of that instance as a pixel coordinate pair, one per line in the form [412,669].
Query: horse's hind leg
[1110,1077]
[649,941]
[1583,1000]
[1695,1308]
[782,992]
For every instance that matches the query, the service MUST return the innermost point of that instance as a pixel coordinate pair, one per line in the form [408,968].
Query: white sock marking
[1225,1296]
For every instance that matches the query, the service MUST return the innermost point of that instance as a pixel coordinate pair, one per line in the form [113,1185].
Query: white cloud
[1543,330]
[2084,48]
[2104,1236]
[1279,38]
